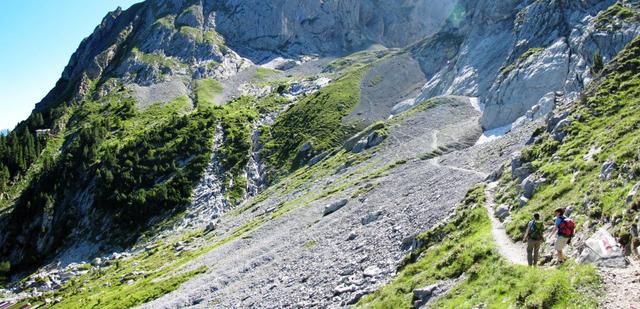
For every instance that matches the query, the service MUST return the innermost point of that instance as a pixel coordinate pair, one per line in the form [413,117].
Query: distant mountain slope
[270,153]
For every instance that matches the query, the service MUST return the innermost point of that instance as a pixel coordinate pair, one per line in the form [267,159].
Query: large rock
[333,207]
[559,132]
[421,296]
[360,146]
[531,184]
[633,194]
[502,212]
[292,26]
[375,138]
[522,172]
[371,217]
[368,138]
[603,250]
[607,170]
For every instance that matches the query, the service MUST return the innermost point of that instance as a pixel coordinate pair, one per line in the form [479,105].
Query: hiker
[564,228]
[534,236]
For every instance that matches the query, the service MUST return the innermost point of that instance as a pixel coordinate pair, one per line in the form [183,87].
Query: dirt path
[514,252]
[622,287]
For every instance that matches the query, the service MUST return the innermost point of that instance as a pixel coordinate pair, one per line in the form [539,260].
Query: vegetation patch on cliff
[313,125]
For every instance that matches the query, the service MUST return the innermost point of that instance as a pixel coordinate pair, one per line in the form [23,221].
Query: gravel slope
[303,259]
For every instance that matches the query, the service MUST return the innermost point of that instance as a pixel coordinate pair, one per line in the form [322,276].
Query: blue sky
[37,38]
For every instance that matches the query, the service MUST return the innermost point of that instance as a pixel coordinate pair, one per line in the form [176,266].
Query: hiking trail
[514,252]
[621,286]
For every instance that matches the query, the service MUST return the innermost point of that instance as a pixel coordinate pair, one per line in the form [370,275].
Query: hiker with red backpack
[565,229]
[534,236]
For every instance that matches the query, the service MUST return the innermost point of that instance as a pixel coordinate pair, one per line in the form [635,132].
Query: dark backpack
[536,230]
[567,227]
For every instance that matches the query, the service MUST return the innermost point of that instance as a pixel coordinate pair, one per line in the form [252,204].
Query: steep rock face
[511,54]
[154,41]
[296,27]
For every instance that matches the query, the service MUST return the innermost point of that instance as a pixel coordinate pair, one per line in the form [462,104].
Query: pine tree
[598,63]
[4,177]
[38,121]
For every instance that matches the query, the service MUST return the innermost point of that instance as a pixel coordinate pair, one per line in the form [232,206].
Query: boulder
[421,296]
[366,138]
[306,147]
[341,289]
[592,152]
[371,217]
[318,158]
[210,227]
[531,184]
[607,170]
[360,146]
[523,201]
[516,161]
[375,139]
[352,236]
[555,119]
[333,207]
[632,195]
[559,132]
[372,271]
[603,250]
[97,262]
[522,172]
[502,212]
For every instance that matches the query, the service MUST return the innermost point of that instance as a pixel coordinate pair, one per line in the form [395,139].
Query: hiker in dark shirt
[534,236]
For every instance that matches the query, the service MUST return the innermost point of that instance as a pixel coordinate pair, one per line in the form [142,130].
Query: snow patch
[494,134]
[276,63]
[475,103]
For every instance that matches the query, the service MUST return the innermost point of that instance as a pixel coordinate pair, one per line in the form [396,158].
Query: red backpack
[567,227]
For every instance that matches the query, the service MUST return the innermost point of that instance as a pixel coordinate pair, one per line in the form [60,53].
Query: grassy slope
[316,119]
[206,91]
[611,18]
[608,118]
[464,245]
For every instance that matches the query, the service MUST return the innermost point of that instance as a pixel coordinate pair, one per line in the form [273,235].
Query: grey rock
[357,296]
[523,201]
[531,184]
[421,296]
[97,262]
[210,227]
[341,289]
[371,217]
[522,172]
[333,207]
[306,147]
[558,132]
[360,146]
[554,119]
[631,196]
[403,106]
[603,250]
[372,271]
[516,161]
[607,170]
[352,236]
[502,212]
[315,160]
[375,139]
